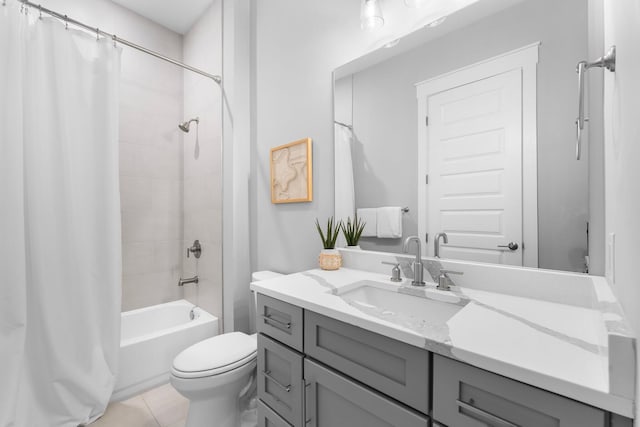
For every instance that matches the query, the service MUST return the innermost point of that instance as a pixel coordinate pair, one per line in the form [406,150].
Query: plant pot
[356,247]
[330,259]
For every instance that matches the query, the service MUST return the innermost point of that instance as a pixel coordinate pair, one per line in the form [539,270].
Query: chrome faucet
[436,243]
[417,264]
[183,282]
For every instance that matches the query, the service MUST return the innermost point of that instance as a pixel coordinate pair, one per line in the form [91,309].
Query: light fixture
[371,15]
[414,3]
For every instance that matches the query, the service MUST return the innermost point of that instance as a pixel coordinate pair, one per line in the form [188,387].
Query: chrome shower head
[184,127]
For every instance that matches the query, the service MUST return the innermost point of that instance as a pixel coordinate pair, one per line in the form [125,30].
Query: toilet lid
[216,355]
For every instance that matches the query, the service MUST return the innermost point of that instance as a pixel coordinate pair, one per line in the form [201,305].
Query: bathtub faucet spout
[183,282]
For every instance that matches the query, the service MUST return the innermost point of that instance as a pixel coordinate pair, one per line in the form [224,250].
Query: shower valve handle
[196,249]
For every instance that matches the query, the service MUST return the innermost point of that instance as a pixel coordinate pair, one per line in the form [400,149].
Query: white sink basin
[426,308]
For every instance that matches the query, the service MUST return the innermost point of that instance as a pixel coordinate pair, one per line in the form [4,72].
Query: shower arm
[609,62]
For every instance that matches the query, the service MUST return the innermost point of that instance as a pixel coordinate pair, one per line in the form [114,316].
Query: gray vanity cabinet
[315,371]
[332,400]
[280,384]
[466,396]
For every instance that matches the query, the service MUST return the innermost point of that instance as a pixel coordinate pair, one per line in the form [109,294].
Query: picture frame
[291,172]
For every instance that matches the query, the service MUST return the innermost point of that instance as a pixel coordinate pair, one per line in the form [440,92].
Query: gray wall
[297,46]
[384,119]
[595,135]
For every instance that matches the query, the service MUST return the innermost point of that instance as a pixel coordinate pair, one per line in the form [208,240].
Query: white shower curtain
[60,252]
[345,200]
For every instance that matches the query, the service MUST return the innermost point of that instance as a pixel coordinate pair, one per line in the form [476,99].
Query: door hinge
[426,237]
[426,120]
[426,179]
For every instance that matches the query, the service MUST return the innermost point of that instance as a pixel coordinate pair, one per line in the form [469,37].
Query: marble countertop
[558,347]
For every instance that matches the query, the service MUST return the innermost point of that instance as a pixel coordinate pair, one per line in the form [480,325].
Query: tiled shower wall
[151,171]
[202,164]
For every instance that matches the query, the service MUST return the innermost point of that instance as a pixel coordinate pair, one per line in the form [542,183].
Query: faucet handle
[443,278]
[447,272]
[196,249]
[395,271]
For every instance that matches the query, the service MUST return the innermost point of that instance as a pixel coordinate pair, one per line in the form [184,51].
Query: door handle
[512,246]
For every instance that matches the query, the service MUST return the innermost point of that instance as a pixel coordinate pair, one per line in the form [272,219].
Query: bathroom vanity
[352,348]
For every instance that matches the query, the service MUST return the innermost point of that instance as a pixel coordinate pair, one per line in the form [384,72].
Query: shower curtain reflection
[60,250]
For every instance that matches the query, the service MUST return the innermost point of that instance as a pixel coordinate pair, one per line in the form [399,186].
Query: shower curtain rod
[117,39]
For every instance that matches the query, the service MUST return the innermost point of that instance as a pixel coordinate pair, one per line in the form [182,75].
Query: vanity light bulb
[371,15]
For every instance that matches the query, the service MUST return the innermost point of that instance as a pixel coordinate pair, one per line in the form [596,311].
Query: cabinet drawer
[394,368]
[280,383]
[465,396]
[268,418]
[333,400]
[280,320]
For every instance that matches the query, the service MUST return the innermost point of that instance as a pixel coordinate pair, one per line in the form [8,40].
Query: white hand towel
[389,222]
[368,215]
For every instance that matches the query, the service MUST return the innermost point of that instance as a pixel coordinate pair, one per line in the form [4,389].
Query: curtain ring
[114,38]
[97,34]
[66,22]
[40,11]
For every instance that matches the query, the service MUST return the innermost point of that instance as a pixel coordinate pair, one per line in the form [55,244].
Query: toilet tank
[255,277]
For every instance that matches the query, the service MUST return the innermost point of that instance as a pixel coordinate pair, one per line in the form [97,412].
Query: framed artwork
[291,175]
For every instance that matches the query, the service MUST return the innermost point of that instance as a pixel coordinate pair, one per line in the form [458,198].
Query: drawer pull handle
[497,421]
[286,388]
[270,319]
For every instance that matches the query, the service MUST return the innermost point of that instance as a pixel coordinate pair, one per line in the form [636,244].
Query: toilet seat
[215,356]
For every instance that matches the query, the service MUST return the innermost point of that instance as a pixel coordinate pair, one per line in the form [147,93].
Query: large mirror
[381,101]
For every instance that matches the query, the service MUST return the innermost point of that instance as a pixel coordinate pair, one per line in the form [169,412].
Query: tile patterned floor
[159,407]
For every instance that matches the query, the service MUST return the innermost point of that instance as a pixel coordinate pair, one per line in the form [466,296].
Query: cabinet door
[465,396]
[268,418]
[392,367]
[280,383]
[333,400]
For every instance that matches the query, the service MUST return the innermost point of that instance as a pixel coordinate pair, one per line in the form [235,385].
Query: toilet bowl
[212,374]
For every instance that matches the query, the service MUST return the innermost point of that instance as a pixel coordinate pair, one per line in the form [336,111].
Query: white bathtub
[151,338]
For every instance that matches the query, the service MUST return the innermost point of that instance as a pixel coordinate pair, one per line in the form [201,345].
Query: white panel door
[474,158]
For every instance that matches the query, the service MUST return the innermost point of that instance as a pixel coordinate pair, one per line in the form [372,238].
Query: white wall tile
[135,193]
[137,258]
[202,206]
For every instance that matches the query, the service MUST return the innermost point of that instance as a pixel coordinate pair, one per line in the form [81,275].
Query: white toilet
[214,373]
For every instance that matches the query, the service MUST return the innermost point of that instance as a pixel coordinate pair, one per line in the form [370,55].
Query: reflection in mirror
[377,95]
